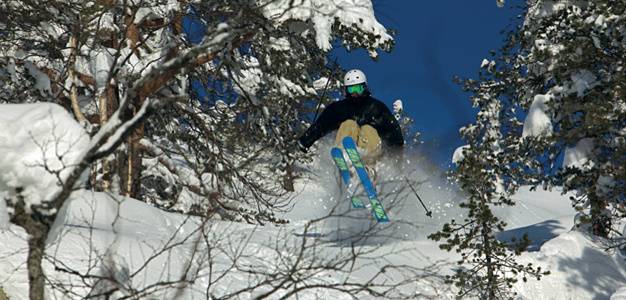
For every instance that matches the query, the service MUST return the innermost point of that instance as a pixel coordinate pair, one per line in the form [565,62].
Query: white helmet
[354,77]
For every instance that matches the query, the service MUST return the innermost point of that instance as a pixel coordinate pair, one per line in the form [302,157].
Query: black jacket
[365,110]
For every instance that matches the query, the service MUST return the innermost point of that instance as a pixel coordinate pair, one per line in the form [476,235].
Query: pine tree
[487,267]
[561,70]
[552,113]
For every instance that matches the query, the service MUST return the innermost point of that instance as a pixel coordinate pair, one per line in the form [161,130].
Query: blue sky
[435,40]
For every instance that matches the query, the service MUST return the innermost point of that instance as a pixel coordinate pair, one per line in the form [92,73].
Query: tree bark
[288,180]
[73,94]
[37,227]
[130,161]
[36,247]
[136,163]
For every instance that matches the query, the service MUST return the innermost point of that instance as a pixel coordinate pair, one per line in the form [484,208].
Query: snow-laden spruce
[558,82]
[552,116]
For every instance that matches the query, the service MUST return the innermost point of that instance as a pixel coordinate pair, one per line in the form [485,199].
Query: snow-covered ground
[142,246]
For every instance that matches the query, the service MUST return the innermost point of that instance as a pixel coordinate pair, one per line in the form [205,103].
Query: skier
[368,121]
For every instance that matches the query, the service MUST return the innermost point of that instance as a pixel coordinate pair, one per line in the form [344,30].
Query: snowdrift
[142,247]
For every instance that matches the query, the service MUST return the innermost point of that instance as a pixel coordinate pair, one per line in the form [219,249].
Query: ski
[379,212]
[345,174]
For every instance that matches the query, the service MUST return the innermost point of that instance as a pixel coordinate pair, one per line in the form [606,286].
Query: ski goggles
[357,88]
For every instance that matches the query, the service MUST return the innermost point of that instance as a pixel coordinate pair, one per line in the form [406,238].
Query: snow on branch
[43,144]
[324,14]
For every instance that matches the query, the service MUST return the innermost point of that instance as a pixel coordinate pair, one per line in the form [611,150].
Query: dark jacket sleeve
[327,122]
[390,132]
[392,136]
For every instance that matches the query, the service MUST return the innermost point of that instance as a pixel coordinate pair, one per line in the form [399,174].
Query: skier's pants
[365,137]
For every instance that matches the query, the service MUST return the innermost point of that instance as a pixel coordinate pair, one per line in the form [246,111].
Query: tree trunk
[288,179]
[136,163]
[109,103]
[130,162]
[73,93]
[37,227]
[492,281]
[36,247]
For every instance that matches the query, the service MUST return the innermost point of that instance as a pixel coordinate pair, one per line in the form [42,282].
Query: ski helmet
[354,77]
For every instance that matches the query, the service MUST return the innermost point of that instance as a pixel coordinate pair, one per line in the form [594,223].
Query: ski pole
[324,93]
[428,212]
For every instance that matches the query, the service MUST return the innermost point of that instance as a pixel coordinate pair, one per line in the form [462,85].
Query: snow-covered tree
[574,95]
[238,77]
[183,100]
[559,82]
[552,114]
